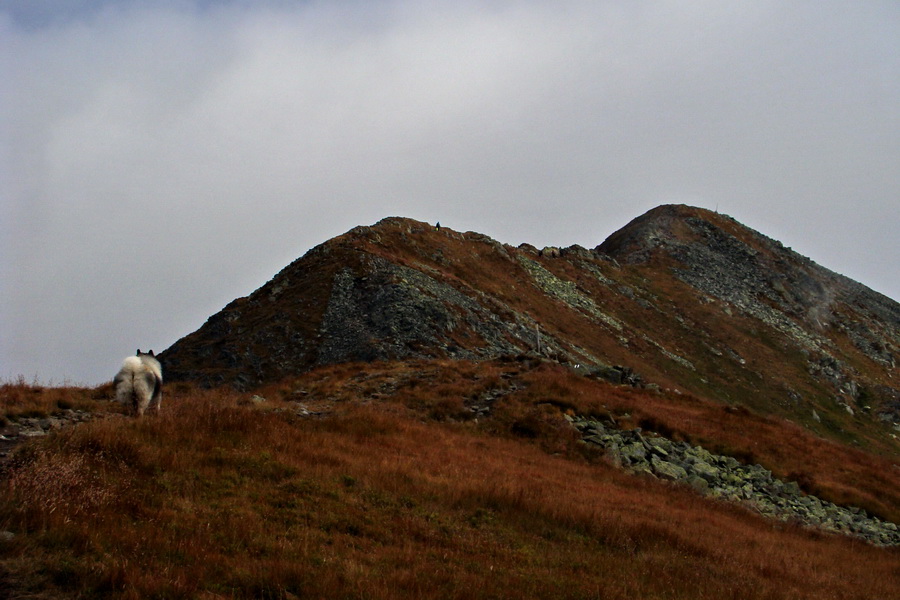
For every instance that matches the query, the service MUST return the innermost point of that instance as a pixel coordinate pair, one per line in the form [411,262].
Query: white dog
[139,382]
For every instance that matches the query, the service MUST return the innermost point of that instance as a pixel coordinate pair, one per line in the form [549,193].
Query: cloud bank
[161,158]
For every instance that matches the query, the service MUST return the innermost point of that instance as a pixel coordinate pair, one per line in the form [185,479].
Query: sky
[160,158]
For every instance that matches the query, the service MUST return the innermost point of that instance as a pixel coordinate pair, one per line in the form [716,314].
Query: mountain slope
[689,410]
[681,298]
[369,488]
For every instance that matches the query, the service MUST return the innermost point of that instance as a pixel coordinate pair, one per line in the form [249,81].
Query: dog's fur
[139,383]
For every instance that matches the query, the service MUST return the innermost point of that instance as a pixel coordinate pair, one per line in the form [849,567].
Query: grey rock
[615,456]
[791,488]
[667,470]
[706,471]
[657,445]
[729,462]
[698,483]
[634,452]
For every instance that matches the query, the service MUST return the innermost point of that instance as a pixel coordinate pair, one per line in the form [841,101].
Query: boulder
[657,445]
[698,483]
[705,470]
[634,452]
[667,470]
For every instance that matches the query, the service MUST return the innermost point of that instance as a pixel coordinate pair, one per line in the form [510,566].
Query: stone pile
[726,478]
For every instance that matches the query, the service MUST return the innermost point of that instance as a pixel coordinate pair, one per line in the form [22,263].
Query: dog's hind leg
[156,399]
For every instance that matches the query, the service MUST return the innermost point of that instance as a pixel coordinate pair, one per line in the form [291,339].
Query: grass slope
[393,490]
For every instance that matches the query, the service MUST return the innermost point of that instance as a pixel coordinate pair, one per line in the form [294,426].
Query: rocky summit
[680,299]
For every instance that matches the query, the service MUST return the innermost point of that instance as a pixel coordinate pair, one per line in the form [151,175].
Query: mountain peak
[681,297]
[663,226]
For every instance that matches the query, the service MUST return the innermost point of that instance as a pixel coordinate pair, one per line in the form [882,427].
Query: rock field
[725,477]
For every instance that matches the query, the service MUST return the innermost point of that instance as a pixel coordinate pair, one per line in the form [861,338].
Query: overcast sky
[159,158]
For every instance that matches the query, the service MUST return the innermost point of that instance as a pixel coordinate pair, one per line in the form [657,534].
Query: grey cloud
[167,157]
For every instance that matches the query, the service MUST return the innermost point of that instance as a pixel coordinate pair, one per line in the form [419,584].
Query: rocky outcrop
[395,312]
[725,477]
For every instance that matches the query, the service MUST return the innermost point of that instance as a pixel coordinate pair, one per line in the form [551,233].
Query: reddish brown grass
[218,499]
[441,390]
[833,471]
[22,399]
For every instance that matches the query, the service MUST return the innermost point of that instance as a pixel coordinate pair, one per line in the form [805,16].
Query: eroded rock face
[726,478]
[395,312]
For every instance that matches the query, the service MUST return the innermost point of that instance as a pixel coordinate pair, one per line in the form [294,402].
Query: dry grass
[19,399]
[825,468]
[386,498]
[442,390]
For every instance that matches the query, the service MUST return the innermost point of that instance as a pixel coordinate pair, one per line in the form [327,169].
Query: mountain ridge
[680,298]
[413,411]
